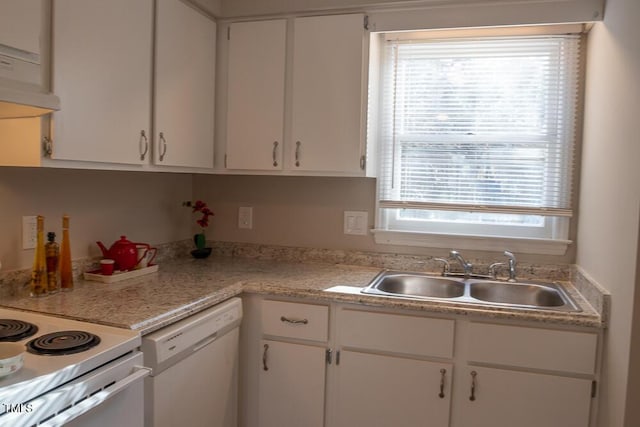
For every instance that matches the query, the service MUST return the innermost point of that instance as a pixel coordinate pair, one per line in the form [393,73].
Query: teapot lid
[123,241]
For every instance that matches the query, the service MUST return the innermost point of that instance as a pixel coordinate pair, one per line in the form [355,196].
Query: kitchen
[308,211]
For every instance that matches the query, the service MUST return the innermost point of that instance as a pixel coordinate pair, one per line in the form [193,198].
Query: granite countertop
[185,286]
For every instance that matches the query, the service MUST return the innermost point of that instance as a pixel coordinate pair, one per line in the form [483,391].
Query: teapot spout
[104,250]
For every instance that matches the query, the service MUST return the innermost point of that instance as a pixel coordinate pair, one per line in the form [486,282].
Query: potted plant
[200,239]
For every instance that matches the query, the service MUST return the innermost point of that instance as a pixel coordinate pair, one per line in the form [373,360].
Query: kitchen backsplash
[14,282]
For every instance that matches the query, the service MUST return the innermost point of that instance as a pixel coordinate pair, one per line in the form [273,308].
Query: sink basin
[542,296]
[415,285]
[517,293]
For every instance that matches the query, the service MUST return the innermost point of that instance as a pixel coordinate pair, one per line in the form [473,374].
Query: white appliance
[195,370]
[21,94]
[89,374]
[22,33]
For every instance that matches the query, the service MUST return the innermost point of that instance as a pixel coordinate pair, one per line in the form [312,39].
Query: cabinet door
[184,86]
[291,389]
[328,84]
[376,390]
[510,398]
[102,73]
[255,98]
[20,24]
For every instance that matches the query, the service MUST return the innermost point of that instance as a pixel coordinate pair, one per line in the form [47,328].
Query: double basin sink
[545,296]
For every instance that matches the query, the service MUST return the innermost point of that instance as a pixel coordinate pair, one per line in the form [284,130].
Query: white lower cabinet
[377,390]
[343,365]
[292,385]
[503,398]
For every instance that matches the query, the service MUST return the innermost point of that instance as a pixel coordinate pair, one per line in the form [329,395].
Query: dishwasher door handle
[205,342]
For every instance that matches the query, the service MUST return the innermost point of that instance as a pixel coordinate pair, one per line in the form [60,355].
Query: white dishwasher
[194,381]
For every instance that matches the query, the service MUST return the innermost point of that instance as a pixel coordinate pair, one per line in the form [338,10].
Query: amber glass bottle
[39,271]
[66,274]
[52,252]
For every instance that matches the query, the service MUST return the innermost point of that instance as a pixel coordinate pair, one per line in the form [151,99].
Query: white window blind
[479,125]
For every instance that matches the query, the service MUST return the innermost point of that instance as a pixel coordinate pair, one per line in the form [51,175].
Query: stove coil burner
[12,330]
[63,342]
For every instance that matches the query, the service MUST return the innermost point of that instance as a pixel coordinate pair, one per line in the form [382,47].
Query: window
[476,136]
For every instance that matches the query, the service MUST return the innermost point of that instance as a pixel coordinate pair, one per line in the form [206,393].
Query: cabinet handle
[275,148]
[294,321]
[264,358]
[442,374]
[473,386]
[298,144]
[164,146]
[47,146]
[143,140]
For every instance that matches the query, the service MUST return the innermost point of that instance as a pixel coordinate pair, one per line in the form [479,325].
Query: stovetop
[41,373]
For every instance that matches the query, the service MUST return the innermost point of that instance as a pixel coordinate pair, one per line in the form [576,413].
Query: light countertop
[185,286]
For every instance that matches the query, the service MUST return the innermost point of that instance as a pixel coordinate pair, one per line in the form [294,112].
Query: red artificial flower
[200,206]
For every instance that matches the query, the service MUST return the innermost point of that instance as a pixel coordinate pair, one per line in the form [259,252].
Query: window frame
[388,231]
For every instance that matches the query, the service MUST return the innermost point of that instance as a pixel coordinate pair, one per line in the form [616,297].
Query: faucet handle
[493,269]
[446,267]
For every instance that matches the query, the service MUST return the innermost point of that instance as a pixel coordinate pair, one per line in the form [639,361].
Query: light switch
[29,232]
[245,217]
[356,222]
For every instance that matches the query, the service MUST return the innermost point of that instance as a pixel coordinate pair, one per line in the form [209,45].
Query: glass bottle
[66,273]
[39,272]
[52,252]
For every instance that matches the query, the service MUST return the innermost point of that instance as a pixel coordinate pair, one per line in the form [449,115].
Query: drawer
[536,348]
[294,320]
[421,336]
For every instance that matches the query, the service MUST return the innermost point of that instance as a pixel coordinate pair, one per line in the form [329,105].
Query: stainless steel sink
[517,293]
[543,296]
[415,285]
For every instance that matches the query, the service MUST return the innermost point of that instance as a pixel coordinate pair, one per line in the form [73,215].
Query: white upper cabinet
[184,86]
[102,74]
[20,23]
[255,105]
[295,100]
[328,88]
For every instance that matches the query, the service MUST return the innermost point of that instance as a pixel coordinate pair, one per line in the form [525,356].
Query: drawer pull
[294,321]
[264,357]
[442,374]
[473,386]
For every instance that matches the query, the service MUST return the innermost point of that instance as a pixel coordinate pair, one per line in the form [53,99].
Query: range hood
[18,103]
[21,92]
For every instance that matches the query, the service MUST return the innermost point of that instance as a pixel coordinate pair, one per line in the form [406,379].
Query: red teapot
[124,253]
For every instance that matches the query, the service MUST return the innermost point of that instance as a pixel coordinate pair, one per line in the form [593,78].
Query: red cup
[106,266]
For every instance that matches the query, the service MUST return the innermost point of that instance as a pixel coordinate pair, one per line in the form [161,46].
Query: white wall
[610,193]
[146,207]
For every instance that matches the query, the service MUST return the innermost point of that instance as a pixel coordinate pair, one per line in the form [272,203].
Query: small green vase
[200,240]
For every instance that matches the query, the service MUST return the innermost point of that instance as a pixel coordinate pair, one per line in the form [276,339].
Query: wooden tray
[117,276]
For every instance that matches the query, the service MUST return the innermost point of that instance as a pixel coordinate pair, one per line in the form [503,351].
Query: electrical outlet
[29,232]
[245,217]
[356,222]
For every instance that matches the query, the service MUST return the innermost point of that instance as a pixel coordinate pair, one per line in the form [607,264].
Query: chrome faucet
[446,267]
[512,265]
[466,266]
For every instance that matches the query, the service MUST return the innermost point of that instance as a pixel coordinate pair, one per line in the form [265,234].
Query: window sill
[484,243]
